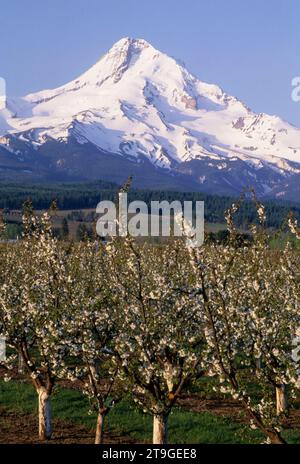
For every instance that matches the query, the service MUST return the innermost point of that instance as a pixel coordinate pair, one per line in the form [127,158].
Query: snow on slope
[138,101]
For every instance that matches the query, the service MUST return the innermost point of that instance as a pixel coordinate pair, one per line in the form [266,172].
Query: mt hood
[138,111]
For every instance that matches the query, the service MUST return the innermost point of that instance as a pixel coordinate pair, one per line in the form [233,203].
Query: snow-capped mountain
[140,111]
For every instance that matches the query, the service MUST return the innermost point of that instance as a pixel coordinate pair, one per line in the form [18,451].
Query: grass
[126,419]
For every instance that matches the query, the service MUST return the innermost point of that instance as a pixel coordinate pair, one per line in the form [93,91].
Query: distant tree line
[82,195]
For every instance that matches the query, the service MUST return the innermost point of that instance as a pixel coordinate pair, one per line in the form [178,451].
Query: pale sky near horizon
[251,49]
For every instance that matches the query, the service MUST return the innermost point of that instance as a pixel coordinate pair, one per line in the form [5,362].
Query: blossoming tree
[90,330]
[158,343]
[251,303]
[33,300]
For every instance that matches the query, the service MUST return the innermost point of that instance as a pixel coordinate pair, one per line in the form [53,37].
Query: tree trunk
[258,365]
[99,428]
[281,399]
[20,364]
[160,430]
[45,426]
[276,438]
[273,435]
[2,348]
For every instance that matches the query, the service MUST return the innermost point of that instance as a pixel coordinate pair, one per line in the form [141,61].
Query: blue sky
[250,48]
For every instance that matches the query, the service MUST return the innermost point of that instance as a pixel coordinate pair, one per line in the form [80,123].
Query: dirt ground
[22,428]
[228,408]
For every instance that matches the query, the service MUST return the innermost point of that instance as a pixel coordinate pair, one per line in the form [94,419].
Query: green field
[125,419]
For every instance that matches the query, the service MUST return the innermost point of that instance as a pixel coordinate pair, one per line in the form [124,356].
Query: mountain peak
[139,103]
[116,61]
[127,42]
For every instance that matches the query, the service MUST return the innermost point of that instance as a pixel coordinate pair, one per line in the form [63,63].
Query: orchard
[145,321]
